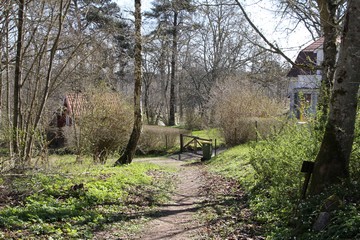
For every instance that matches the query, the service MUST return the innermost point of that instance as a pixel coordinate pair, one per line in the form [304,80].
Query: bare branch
[274,47]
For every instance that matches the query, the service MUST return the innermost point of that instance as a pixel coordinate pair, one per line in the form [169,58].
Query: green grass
[70,200]
[234,163]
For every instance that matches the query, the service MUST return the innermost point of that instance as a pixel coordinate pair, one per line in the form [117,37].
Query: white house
[305,80]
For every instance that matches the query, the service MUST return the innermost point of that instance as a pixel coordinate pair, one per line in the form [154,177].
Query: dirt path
[175,220]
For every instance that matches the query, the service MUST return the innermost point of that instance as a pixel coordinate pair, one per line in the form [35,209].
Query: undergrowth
[80,200]
[270,172]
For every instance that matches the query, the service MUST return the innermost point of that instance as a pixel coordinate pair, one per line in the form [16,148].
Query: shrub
[193,120]
[238,107]
[277,163]
[158,139]
[355,155]
[105,125]
[250,129]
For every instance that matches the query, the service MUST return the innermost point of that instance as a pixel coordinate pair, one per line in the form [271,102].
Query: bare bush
[194,120]
[158,139]
[239,107]
[105,125]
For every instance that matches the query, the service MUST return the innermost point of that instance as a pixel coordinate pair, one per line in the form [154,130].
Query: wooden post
[215,147]
[235,137]
[181,143]
[166,142]
[305,186]
[195,146]
[256,131]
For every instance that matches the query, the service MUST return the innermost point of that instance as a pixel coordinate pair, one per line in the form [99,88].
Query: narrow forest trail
[203,206]
[176,219]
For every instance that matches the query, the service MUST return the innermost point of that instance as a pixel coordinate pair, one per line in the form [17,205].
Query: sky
[262,14]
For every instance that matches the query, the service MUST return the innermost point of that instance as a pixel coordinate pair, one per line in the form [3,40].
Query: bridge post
[181,143]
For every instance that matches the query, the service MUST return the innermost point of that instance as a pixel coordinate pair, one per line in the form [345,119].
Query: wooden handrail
[197,138]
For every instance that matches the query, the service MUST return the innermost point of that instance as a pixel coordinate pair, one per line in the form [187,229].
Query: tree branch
[275,48]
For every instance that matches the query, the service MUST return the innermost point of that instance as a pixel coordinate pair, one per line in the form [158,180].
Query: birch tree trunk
[128,155]
[332,161]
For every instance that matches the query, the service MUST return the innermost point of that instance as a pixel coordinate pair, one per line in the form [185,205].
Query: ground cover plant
[71,200]
[270,172]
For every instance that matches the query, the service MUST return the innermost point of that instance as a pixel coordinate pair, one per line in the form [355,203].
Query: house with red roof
[72,106]
[305,80]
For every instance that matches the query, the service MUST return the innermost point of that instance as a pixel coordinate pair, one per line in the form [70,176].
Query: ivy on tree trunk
[327,11]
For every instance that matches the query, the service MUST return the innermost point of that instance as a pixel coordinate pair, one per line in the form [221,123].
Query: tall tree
[332,161]
[8,21]
[129,152]
[17,78]
[171,15]
[219,47]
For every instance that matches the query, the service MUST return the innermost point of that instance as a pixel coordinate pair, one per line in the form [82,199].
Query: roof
[314,46]
[306,60]
[75,103]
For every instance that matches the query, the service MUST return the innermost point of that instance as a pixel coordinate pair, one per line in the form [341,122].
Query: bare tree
[17,78]
[218,46]
[302,12]
[171,15]
[8,26]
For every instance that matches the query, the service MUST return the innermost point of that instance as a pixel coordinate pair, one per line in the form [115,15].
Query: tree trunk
[332,161]
[329,27]
[7,80]
[1,70]
[173,71]
[17,78]
[129,153]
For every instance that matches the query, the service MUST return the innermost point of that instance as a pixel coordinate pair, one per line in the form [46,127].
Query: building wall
[308,85]
[304,85]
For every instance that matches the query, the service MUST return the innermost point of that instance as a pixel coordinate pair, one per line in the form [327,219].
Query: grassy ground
[72,200]
[234,163]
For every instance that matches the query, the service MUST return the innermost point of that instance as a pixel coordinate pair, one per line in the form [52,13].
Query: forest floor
[187,201]
[198,206]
